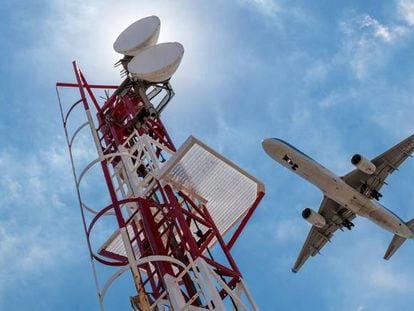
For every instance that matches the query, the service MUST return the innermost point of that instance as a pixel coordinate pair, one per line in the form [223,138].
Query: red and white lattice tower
[177,212]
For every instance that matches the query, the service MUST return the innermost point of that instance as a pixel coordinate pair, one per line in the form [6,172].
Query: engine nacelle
[363,164]
[314,218]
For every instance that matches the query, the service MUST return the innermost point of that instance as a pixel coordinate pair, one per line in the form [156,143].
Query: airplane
[355,194]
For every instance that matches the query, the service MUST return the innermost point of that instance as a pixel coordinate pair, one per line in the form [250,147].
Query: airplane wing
[335,216]
[386,164]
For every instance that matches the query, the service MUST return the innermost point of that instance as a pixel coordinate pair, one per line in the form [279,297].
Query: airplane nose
[270,146]
[267,144]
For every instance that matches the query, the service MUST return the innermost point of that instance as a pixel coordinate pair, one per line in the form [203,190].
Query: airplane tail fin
[397,241]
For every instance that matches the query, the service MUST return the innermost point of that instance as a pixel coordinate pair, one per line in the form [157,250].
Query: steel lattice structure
[178,212]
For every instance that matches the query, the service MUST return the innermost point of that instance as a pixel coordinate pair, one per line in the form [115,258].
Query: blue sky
[333,78]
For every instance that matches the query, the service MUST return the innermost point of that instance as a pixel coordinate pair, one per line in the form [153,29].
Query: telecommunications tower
[172,215]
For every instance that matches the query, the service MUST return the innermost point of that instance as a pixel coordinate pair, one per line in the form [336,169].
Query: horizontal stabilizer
[395,244]
[397,241]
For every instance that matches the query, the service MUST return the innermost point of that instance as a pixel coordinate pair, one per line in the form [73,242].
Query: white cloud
[384,278]
[369,280]
[317,72]
[406,10]
[30,178]
[34,231]
[266,7]
[386,33]
[332,99]
[287,230]
[367,43]
[280,15]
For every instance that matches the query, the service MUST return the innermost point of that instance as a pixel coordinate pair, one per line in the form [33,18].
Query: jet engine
[314,218]
[363,164]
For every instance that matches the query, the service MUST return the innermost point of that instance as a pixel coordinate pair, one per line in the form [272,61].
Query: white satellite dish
[157,63]
[139,35]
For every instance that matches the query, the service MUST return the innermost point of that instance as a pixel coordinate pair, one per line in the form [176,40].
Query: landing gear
[364,188]
[347,224]
[375,194]
[372,193]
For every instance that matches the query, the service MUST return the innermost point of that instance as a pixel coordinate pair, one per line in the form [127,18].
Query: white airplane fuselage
[334,187]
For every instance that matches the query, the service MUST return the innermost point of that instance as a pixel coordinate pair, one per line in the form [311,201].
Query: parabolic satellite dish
[141,34]
[157,63]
